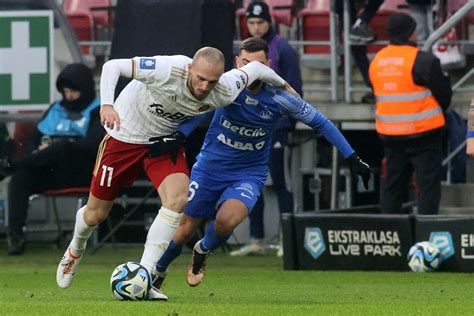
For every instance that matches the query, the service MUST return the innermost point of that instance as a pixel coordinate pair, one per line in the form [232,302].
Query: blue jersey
[237,143]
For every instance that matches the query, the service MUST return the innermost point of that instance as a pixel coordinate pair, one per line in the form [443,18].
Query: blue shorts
[206,195]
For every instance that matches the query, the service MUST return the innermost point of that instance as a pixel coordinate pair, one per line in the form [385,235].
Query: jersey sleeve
[230,85]
[111,72]
[154,69]
[302,111]
[258,71]
[188,126]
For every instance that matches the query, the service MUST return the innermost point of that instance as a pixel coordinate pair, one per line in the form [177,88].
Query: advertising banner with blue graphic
[348,241]
[453,236]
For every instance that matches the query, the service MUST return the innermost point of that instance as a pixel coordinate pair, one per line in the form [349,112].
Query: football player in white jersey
[166,91]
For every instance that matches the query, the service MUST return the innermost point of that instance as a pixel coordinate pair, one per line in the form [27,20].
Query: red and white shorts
[119,164]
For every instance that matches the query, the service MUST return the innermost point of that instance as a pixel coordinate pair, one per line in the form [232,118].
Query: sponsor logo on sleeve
[204,107]
[306,109]
[147,63]
[244,80]
[250,101]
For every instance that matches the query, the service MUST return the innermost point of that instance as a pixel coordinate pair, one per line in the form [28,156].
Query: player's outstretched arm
[111,71]
[290,89]
[258,71]
[470,130]
[188,126]
[306,113]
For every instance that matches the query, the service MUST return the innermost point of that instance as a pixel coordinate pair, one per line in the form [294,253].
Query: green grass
[233,286]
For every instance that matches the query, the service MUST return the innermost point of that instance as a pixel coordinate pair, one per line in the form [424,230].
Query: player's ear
[269,63]
[190,68]
[236,61]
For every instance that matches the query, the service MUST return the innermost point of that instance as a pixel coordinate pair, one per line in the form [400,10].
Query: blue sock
[171,253]
[211,240]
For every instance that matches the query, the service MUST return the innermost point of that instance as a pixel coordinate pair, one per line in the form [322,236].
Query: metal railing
[455,19]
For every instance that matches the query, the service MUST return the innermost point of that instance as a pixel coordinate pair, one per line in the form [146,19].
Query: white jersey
[158,99]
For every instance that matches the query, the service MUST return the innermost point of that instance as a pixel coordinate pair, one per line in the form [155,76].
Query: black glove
[168,144]
[359,168]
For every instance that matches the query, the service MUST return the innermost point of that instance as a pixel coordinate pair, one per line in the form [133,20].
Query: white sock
[82,232]
[160,234]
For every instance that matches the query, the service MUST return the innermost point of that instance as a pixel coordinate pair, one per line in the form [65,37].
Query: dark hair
[80,78]
[400,27]
[253,45]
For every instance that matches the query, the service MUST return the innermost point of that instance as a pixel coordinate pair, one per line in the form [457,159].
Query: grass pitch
[233,286]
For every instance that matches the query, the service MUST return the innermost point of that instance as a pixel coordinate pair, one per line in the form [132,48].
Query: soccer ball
[130,282]
[424,257]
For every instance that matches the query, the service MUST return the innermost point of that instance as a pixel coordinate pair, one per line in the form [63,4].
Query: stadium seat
[97,8]
[90,20]
[462,29]
[82,24]
[242,30]
[379,21]
[21,133]
[314,25]
[455,5]
[282,11]
[80,193]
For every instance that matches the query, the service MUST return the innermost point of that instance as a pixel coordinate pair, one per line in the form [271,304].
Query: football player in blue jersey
[232,167]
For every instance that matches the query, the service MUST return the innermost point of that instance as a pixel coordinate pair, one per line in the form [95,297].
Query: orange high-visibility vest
[402,107]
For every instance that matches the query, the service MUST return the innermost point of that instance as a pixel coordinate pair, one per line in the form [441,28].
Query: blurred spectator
[470,130]
[360,32]
[62,150]
[285,61]
[456,135]
[412,94]
[419,10]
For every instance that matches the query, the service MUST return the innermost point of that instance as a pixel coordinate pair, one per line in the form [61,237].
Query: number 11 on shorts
[107,172]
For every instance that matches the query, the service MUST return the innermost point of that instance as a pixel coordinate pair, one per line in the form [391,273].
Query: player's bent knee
[176,202]
[224,227]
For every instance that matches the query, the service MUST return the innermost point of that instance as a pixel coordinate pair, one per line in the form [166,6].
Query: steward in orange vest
[411,94]
[403,107]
